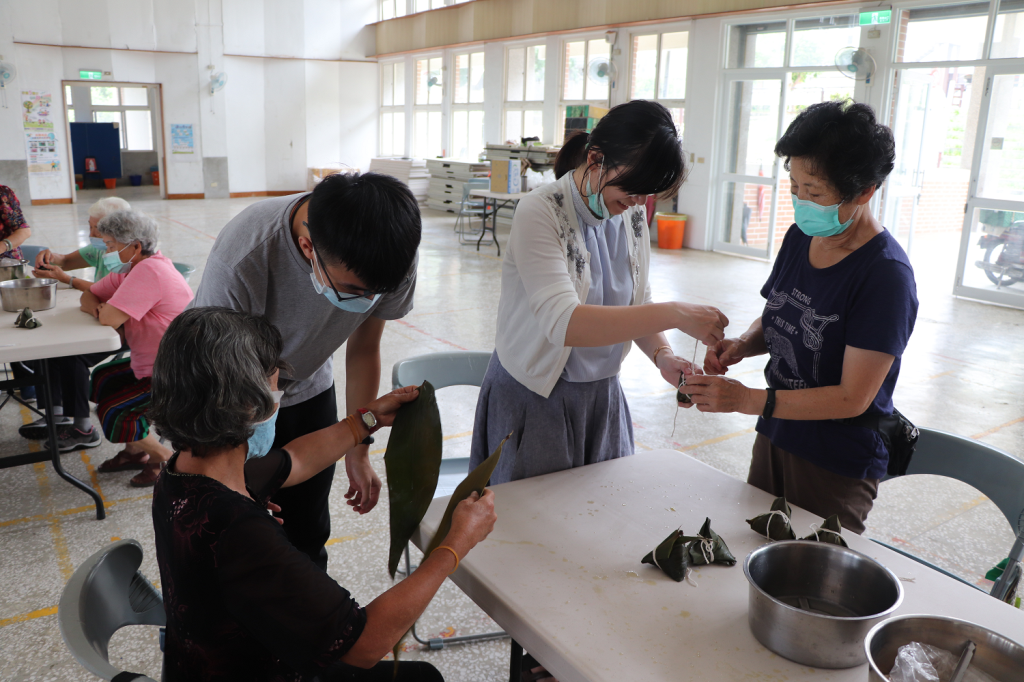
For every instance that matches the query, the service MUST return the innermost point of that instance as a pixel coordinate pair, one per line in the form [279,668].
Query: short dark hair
[370,223]
[210,378]
[639,136]
[844,144]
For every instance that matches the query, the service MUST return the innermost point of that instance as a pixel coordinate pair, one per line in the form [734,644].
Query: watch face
[369,419]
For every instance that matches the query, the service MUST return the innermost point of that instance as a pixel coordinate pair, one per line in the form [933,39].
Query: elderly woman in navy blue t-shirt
[841,305]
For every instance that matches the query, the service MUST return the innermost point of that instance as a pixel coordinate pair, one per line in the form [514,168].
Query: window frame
[121,109]
[428,109]
[393,109]
[662,29]
[468,106]
[524,105]
[563,103]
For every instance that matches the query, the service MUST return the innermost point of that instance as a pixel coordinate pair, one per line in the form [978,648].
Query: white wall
[274,118]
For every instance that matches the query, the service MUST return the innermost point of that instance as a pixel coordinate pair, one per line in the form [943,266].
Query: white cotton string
[707,548]
[688,578]
[682,382]
[654,556]
[818,529]
[771,515]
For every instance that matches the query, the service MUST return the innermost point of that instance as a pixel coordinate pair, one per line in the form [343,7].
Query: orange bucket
[671,227]
[156,177]
[110,183]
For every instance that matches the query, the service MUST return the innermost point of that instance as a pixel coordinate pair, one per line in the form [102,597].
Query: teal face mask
[112,262]
[97,242]
[816,220]
[595,199]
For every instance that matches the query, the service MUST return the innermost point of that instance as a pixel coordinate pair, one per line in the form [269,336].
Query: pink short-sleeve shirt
[152,294]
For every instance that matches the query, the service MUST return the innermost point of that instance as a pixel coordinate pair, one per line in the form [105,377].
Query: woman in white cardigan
[574,295]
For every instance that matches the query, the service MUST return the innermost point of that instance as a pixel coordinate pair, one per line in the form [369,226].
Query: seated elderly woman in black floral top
[242,603]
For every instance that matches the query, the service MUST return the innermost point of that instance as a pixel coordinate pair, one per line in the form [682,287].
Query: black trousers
[304,507]
[69,382]
[385,671]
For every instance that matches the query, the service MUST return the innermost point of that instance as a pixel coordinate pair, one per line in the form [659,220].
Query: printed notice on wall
[182,141]
[40,141]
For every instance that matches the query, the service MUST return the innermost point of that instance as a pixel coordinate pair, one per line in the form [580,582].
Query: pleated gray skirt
[578,424]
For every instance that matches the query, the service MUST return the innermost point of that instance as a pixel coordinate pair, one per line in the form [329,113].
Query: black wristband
[769,405]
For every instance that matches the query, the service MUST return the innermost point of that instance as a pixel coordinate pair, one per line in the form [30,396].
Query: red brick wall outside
[941,207]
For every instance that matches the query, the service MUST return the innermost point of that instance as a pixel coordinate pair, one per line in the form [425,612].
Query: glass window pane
[575,57]
[400,8]
[460,134]
[436,4]
[811,87]
[462,79]
[598,77]
[71,115]
[677,118]
[533,124]
[1008,41]
[138,130]
[535,73]
[753,126]
[476,77]
[672,70]
[645,63]
[516,82]
[476,134]
[387,9]
[434,125]
[387,85]
[757,45]
[110,117]
[421,134]
[951,32]
[422,76]
[816,41]
[422,5]
[134,97]
[513,125]
[398,147]
[1002,158]
[746,211]
[995,261]
[387,134]
[67,95]
[104,96]
[435,82]
[400,84]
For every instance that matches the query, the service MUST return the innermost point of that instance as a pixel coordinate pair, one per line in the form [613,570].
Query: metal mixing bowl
[996,655]
[813,602]
[37,294]
[11,268]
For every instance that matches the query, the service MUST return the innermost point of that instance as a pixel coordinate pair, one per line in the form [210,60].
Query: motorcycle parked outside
[1004,252]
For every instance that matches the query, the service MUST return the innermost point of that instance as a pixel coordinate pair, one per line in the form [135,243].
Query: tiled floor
[963,372]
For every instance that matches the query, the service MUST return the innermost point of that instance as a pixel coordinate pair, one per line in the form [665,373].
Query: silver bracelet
[71,281]
[10,246]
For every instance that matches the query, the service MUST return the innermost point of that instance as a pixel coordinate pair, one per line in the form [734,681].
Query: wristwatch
[370,422]
[769,405]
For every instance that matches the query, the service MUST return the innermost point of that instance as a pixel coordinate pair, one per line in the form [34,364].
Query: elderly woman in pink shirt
[140,297]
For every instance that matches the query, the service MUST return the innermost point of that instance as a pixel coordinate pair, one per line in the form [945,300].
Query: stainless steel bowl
[996,655]
[814,603]
[11,268]
[37,294]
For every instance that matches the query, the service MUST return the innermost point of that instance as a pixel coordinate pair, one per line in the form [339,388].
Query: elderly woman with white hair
[54,265]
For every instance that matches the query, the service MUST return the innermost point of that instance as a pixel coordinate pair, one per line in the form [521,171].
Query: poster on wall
[182,141]
[40,141]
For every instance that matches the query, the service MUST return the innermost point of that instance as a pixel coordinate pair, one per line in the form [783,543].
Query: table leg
[52,444]
[483,225]
[515,668]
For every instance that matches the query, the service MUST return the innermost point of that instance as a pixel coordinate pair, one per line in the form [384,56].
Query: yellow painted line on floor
[381,451]
[940,374]
[31,615]
[718,439]
[56,532]
[93,477]
[1018,420]
[347,538]
[73,510]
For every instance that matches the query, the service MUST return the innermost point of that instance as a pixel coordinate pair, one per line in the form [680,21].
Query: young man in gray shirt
[326,268]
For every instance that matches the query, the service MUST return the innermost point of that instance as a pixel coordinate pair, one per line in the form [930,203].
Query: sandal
[147,479]
[124,461]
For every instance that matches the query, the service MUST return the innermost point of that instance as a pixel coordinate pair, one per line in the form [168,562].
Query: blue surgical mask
[595,200]
[112,262]
[359,304]
[97,242]
[263,434]
[816,220]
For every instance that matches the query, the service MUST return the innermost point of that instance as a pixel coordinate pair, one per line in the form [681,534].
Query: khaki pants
[807,485]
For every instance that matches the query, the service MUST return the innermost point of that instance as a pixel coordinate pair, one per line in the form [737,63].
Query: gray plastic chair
[30,252]
[997,474]
[469,208]
[106,593]
[459,368]
[185,269]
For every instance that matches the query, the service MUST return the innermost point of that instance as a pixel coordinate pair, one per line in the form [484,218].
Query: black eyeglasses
[341,297]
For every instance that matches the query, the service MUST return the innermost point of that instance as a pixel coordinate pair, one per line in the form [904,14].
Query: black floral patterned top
[242,603]
[11,219]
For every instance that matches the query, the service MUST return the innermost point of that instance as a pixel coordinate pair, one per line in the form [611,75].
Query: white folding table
[493,202]
[561,573]
[66,331]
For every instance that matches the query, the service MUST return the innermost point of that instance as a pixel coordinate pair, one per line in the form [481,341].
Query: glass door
[991,263]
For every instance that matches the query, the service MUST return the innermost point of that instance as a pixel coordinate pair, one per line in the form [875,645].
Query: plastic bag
[917,662]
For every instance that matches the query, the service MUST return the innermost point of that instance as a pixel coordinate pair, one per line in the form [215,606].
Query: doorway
[119,127]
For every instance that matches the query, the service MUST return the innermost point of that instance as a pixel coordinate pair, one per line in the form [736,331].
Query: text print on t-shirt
[781,346]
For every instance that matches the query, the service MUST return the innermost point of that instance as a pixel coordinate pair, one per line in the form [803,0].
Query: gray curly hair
[126,227]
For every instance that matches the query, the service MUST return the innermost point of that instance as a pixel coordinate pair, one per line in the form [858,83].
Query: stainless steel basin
[996,655]
[37,294]
[814,603]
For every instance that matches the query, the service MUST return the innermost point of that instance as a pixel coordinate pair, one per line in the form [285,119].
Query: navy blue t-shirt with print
[868,300]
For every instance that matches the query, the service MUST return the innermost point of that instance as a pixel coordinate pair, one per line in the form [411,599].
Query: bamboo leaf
[413,463]
[475,481]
